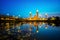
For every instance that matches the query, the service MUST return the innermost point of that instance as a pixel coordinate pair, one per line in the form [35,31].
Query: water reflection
[29,30]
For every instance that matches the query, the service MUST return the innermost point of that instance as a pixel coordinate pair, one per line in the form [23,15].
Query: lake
[30,31]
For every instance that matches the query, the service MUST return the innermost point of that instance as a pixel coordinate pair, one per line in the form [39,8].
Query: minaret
[30,14]
[37,13]
[46,15]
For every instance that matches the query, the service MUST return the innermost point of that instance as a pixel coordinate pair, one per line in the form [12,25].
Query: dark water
[30,31]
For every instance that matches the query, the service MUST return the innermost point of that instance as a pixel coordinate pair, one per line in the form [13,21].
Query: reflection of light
[9,32]
[7,29]
[7,26]
[37,31]
[53,24]
[30,23]
[21,38]
[34,39]
[35,24]
[46,27]
[39,26]
[18,27]
[19,30]
[43,23]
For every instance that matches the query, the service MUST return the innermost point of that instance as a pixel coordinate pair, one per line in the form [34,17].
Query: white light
[37,31]
[30,12]
[36,10]
[46,27]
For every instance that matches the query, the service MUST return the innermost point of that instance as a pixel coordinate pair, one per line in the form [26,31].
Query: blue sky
[23,7]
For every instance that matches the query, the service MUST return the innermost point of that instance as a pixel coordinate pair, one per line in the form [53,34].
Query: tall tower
[46,15]
[37,13]
[30,14]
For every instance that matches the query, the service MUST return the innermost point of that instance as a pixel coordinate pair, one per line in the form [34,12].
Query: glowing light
[46,27]
[39,26]
[53,24]
[36,10]
[30,12]
[37,31]
[2,18]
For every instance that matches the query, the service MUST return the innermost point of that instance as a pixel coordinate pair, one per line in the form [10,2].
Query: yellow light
[42,18]
[53,24]
[2,18]
[52,18]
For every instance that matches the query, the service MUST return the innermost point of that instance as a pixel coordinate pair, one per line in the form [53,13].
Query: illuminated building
[36,17]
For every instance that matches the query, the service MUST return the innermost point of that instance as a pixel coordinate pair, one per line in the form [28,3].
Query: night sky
[23,7]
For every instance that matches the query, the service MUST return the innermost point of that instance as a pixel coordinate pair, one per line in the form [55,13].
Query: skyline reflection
[29,30]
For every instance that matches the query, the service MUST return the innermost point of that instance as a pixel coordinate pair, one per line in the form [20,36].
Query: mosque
[36,17]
